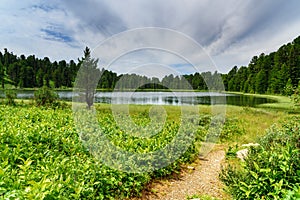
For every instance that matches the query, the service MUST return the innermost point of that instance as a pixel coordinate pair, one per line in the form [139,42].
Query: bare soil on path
[201,178]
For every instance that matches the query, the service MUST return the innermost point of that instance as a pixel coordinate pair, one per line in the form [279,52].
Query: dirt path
[199,178]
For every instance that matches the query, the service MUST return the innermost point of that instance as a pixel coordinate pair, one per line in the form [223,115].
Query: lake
[162,98]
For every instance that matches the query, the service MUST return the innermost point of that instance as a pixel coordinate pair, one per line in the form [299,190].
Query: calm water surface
[163,98]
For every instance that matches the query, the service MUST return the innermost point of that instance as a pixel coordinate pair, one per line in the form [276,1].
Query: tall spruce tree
[87,77]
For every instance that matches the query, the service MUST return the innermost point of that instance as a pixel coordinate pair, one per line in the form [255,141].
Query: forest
[265,74]
[271,74]
[43,156]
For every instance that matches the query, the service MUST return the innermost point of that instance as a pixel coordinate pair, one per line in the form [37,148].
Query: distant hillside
[267,73]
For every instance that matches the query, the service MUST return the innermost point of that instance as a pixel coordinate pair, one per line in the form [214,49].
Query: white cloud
[232,31]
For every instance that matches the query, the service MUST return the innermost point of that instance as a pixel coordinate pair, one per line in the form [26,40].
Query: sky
[229,32]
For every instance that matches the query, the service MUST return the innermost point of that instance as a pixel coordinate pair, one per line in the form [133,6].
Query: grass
[243,125]
[253,121]
[283,103]
[201,197]
[248,123]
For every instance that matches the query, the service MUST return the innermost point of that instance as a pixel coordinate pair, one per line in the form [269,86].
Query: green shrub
[45,96]
[296,96]
[293,194]
[272,170]
[231,152]
[10,95]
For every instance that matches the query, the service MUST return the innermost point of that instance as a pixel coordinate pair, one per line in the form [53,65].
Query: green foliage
[288,89]
[264,74]
[231,152]
[276,73]
[296,96]
[272,170]
[231,129]
[10,96]
[87,78]
[42,157]
[261,82]
[202,197]
[31,72]
[45,96]
[293,194]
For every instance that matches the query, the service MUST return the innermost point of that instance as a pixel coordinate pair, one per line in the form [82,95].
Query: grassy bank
[42,155]
[283,103]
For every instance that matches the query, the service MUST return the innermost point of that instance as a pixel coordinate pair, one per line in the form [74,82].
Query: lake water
[163,98]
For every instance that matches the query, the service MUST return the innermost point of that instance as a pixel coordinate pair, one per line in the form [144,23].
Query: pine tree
[260,82]
[288,89]
[87,77]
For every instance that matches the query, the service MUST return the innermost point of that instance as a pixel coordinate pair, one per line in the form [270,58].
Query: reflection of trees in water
[163,98]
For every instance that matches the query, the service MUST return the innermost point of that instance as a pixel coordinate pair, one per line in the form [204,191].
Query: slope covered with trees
[276,73]
[32,72]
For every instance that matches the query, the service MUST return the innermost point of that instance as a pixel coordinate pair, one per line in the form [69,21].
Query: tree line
[32,72]
[274,73]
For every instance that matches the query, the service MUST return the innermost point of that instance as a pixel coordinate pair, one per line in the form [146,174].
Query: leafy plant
[202,197]
[42,156]
[296,96]
[293,194]
[10,95]
[270,170]
[45,96]
[231,152]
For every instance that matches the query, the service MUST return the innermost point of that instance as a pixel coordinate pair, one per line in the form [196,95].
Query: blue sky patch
[44,7]
[57,36]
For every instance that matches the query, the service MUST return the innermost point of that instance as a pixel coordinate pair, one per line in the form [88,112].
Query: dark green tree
[296,95]
[260,82]
[288,89]
[40,78]
[2,74]
[88,76]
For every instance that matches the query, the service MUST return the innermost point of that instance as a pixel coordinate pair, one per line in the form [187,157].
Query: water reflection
[161,98]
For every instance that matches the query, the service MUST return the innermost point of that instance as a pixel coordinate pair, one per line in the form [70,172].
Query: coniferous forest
[271,73]
[49,150]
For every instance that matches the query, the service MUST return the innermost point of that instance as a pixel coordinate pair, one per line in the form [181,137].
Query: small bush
[45,96]
[10,95]
[231,152]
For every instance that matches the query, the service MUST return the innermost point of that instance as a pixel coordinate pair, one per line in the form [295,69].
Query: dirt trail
[203,179]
